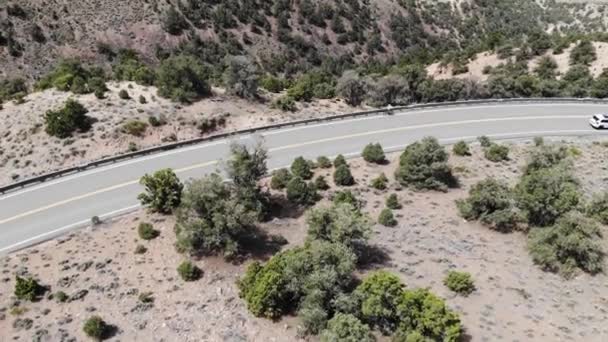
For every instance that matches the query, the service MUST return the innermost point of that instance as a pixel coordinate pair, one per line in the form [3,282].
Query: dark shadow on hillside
[372,256]
[281,207]
[259,245]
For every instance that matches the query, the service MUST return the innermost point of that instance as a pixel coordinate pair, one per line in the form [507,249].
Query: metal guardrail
[176,145]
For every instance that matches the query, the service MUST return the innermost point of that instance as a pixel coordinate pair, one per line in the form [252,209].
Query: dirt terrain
[514,300]
[26,149]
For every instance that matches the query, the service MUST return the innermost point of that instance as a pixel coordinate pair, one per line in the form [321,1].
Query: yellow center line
[285,147]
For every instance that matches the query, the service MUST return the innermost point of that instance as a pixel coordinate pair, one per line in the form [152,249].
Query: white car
[599,121]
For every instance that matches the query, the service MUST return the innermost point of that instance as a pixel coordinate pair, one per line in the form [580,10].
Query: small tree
[341,223]
[321,183]
[182,79]
[340,160]
[386,218]
[163,191]
[373,153]
[573,242]
[379,182]
[346,328]
[241,77]
[343,177]
[423,165]
[27,288]
[459,282]
[301,168]
[63,122]
[379,296]
[346,197]
[299,192]
[146,231]
[280,179]
[96,328]
[189,271]
[351,88]
[323,162]
[392,202]
[461,148]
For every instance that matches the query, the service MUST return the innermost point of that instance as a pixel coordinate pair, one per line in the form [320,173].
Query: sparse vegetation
[392,202]
[461,148]
[380,182]
[459,282]
[96,328]
[146,231]
[189,271]
[386,218]
[496,153]
[27,288]
[135,127]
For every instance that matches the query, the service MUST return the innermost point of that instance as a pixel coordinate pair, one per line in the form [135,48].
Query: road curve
[47,210]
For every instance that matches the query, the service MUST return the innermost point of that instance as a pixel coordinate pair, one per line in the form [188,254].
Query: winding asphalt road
[50,209]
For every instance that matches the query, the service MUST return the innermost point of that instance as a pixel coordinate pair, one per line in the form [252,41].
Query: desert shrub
[346,197]
[182,79]
[459,282]
[323,162]
[346,328]
[321,183]
[546,68]
[241,77]
[351,88]
[491,202]
[598,207]
[546,194]
[291,277]
[12,88]
[212,218]
[574,242]
[130,68]
[173,22]
[341,223]
[496,153]
[300,192]
[378,298]
[71,75]
[461,148]
[392,202]
[545,156]
[583,53]
[484,141]
[303,89]
[421,313]
[285,103]
[142,99]
[124,94]
[340,160]
[301,168]
[280,179]
[423,165]
[386,218]
[140,249]
[163,191]
[96,328]
[60,296]
[373,153]
[189,271]
[134,127]
[343,177]
[27,288]
[63,122]
[146,231]
[272,84]
[379,182]
[155,122]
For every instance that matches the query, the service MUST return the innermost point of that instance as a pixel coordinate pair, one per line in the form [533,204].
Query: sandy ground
[514,300]
[26,150]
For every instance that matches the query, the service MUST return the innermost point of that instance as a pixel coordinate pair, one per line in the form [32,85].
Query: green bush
[373,153]
[574,242]
[280,179]
[63,122]
[459,282]
[343,177]
[27,288]
[379,182]
[12,88]
[140,249]
[241,77]
[299,192]
[70,75]
[546,194]
[146,231]
[496,153]
[163,191]
[189,271]
[392,202]
[134,127]
[492,203]
[598,208]
[124,94]
[583,53]
[60,296]
[285,103]
[301,168]
[545,157]
[386,218]
[272,84]
[340,160]
[96,328]
[323,162]
[461,148]
[130,68]
[351,88]
[484,141]
[341,223]
[378,297]
[346,197]
[346,328]
[182,79]
[423,165]
[321,183]
[173,22]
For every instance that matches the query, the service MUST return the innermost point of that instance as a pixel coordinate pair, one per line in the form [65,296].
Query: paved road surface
[50,209]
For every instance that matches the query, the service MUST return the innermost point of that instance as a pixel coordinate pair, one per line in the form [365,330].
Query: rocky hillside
[34,34]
